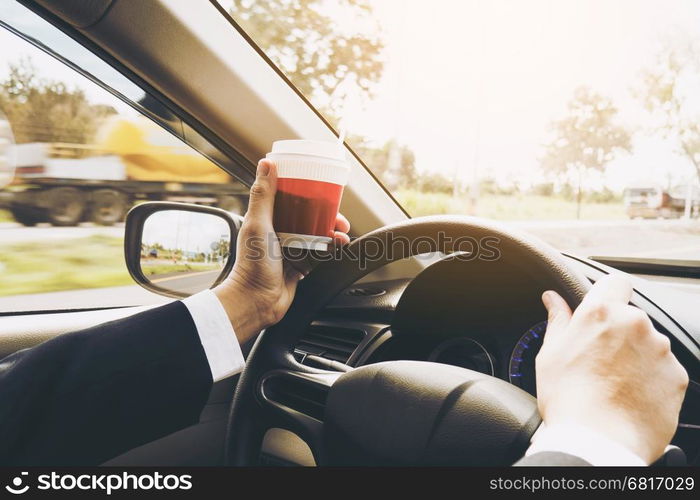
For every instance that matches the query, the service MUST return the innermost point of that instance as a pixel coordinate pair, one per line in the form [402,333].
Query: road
[188,283]
[663,239]
[132,295]
[674,239]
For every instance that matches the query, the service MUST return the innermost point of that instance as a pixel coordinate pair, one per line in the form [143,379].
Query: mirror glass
[184,252]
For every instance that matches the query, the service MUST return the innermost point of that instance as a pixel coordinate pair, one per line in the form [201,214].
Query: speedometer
[521,369]
[464,352]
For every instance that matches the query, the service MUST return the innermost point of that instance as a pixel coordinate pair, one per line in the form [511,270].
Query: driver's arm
[85,397]
[261,285]
[609,388]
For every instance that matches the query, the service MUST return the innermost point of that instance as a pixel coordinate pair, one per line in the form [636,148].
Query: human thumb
[558,313]
[262,196]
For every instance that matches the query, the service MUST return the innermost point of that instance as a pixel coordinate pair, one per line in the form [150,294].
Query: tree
[378,159]
[586,139]
[329,63]
[319,56]
[42,110]
[435,183]
[488,185]
[668,88]
[543,189]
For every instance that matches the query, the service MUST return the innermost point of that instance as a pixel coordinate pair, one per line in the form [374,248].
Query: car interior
[424,302]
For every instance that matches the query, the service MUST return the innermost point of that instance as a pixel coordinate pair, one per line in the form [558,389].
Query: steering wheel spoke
[296,401]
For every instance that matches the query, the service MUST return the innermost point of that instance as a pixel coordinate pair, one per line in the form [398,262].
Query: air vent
[368,291]
[330,342]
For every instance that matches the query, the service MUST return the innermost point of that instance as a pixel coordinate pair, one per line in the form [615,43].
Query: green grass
[516,207]
[34,267]
[6,216]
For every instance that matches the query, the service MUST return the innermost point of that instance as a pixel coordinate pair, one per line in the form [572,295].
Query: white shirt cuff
[216,334]
[583,442]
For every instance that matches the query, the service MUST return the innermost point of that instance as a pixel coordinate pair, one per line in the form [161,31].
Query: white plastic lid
[323,149]
[312,160]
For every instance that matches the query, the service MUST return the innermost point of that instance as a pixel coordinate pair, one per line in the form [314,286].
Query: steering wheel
[394,412]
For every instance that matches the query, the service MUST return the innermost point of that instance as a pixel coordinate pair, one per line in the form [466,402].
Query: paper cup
[311,177]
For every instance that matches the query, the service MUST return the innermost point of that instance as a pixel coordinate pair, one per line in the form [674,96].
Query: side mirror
[178,249]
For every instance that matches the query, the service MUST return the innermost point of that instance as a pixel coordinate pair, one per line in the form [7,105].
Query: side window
[82,158]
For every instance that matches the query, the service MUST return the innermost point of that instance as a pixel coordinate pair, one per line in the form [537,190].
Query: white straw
[341,135]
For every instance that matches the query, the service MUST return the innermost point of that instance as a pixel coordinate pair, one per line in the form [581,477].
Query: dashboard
[506,353]
[488,319]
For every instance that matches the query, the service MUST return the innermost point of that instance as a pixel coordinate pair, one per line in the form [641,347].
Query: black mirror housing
[177,249]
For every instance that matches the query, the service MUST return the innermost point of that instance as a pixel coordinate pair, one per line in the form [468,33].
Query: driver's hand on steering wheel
[261,286]
[606,369]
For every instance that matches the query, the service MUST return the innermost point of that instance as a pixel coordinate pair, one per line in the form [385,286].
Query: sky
[187,231]
[471,86]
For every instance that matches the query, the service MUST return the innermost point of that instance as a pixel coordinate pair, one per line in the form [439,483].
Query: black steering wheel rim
[273,351]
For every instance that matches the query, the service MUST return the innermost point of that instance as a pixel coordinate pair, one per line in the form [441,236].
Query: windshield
[578,121]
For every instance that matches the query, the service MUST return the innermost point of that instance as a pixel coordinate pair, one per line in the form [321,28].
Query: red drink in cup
[311,178]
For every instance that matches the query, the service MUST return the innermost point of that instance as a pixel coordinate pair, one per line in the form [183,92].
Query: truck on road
[652,201]
[132,160]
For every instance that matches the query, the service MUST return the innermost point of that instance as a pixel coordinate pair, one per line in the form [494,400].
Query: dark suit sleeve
[84,397]
[551,458]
